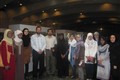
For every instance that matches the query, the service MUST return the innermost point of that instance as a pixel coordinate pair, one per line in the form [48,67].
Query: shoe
[73,77]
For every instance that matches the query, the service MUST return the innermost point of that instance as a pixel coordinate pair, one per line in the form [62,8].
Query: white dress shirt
[38,42]
[51,41]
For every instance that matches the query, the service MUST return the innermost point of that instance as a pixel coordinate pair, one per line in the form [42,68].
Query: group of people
[90,59]
[96,58]
[15,52]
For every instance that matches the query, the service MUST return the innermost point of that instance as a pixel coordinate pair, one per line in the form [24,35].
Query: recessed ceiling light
[43,11]
[113,19]
[21,4]
[5,5]
[54,23]
[101,29]
[79,20]
[55,9]
[106,7]
[40,21]
[94,22]
[81,13]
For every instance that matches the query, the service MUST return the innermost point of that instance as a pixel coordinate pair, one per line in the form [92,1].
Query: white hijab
[17,39]
[91,46]
[89,41]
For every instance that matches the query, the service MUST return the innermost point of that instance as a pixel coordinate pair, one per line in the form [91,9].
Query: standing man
[50,52]
[38,45]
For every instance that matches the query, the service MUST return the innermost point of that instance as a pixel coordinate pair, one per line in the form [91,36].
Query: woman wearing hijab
[8,57]
[114,58]
[27,50]
[72,44]
[103,66]
[90,56]
[19,55]
[62,60]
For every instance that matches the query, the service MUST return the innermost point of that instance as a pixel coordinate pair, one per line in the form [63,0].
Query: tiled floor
[51,77]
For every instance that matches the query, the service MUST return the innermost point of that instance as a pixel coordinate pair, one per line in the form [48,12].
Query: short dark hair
[49,30]
[38,27]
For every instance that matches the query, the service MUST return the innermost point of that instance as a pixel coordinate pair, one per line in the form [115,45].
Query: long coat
[8,58]
[19,63]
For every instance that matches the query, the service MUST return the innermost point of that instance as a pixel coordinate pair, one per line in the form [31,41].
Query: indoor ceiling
[80,15]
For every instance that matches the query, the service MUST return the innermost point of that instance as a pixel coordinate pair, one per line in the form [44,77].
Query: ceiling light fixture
[40,21]
[5,5]
[20,4]
[55,9]
[81,13]
[54,23]
[94,22]
[43,11]
[101,29]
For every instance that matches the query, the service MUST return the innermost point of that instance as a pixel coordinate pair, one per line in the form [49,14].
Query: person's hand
[63,56]
[99,61]
[53,50]
[90,58]
[75,57]
[40,51]
[7,67]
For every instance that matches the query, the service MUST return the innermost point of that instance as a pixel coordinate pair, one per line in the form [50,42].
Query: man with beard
[50,52]
[38,45]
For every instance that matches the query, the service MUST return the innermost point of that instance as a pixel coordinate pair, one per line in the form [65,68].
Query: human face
[102,41]
[38,30]
[77,37]
[96,36]
[71,37]
[61,37]
[90,37]
[112,38]
[50,32]
[20,35]
[10,34]
[26,32]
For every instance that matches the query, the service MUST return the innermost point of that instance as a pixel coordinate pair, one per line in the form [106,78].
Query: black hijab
[26,38]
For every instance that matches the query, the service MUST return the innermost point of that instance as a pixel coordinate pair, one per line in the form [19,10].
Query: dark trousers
[91,70]
[26,69]
[1,73]
[38,59]
[115,73]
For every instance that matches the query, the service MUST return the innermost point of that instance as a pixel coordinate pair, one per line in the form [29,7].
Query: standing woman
[90,56]
[103,67]
[8,57]
[114,58]
[26,50]
[62,60]
[19,55]
[72,45]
